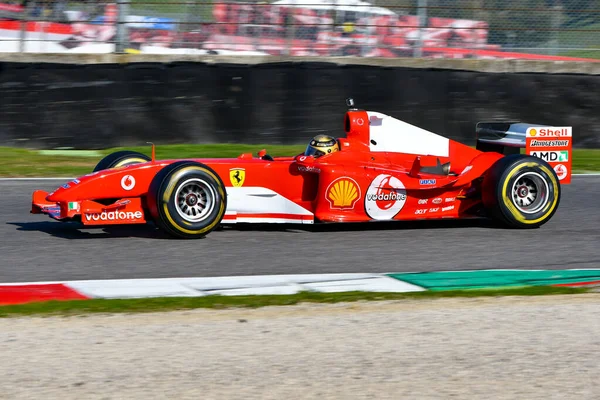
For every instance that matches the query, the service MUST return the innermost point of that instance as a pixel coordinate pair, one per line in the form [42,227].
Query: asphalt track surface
[36,248]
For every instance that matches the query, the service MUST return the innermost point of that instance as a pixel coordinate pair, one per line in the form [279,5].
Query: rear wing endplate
[553,144]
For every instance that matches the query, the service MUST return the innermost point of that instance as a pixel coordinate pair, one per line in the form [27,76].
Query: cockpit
[321,145]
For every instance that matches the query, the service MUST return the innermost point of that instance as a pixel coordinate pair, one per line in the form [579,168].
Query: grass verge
[33,163]
[161,304]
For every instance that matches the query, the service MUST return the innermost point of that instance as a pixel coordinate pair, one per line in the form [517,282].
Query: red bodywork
[380,173]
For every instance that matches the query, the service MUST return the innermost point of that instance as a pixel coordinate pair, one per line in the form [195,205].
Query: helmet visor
[312,151]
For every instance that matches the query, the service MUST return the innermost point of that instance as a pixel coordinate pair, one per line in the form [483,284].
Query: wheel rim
[125,164]
[128,161]
[194,200]
[530,192]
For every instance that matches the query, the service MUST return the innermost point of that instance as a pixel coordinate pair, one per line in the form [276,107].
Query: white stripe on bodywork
[393,135]
[259,220]
[260,200]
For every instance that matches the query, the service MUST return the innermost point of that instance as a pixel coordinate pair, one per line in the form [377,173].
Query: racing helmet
[321,145]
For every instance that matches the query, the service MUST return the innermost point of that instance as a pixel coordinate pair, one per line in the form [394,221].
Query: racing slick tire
[121,159]
[187,199]
[521,191]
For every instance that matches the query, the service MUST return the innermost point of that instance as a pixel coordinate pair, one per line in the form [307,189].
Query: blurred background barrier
[521,29]
[45,105]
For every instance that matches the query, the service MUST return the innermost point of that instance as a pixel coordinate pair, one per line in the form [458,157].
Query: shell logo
[343,193]
[532,132]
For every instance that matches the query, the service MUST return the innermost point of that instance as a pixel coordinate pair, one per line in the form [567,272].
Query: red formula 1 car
[384,170]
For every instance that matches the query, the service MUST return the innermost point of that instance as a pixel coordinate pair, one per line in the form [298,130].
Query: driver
[321,145]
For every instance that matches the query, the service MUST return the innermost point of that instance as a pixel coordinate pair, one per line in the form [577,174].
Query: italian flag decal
[73,205]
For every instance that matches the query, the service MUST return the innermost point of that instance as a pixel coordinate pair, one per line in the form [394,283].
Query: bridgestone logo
[114,216]
[386,197]
[549,143]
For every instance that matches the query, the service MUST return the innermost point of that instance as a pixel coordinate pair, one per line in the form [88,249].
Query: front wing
[123,211]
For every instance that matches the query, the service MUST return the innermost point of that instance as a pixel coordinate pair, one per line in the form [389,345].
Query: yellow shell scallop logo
[343,192]
[532,132]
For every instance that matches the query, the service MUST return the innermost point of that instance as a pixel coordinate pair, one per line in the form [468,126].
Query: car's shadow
[73,230]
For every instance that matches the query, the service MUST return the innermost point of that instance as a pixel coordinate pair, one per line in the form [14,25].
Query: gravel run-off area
[478,348]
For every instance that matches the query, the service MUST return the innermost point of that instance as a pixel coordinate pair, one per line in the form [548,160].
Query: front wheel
[521,191]
[121,159]
[187,199]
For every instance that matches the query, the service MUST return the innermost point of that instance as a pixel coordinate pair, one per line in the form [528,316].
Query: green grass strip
[161,304]
[16,163]
[70,153]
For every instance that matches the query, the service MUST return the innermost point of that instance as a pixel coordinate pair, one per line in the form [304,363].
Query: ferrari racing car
[382,169]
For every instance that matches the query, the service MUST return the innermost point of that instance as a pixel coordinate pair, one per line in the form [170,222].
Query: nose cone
[68,191]
[60,193]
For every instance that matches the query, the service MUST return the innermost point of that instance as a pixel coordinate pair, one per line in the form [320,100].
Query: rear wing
[553,144]
[502,137]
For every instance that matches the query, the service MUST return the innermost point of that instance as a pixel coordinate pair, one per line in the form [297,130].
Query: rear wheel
[521,191]
[121,159]
[187,199]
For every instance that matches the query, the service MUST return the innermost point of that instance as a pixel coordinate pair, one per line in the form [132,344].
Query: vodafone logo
[128,182]
[385,197]
[561,171]
[114,216]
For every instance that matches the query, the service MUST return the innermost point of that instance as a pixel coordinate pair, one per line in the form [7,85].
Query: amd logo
[551,155]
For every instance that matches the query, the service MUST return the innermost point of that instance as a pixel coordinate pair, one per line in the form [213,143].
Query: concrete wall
[95,101]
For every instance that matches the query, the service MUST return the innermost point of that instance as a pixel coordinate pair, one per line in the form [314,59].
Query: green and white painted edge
[27,292]
[499,278]
[402,282]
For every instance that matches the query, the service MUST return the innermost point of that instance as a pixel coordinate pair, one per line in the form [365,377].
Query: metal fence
[532,29]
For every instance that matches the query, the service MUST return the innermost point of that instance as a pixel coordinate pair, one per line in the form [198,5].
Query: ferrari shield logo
[237,176]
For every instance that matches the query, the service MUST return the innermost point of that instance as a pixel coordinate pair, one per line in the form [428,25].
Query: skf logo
[237,176]
[342,193]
